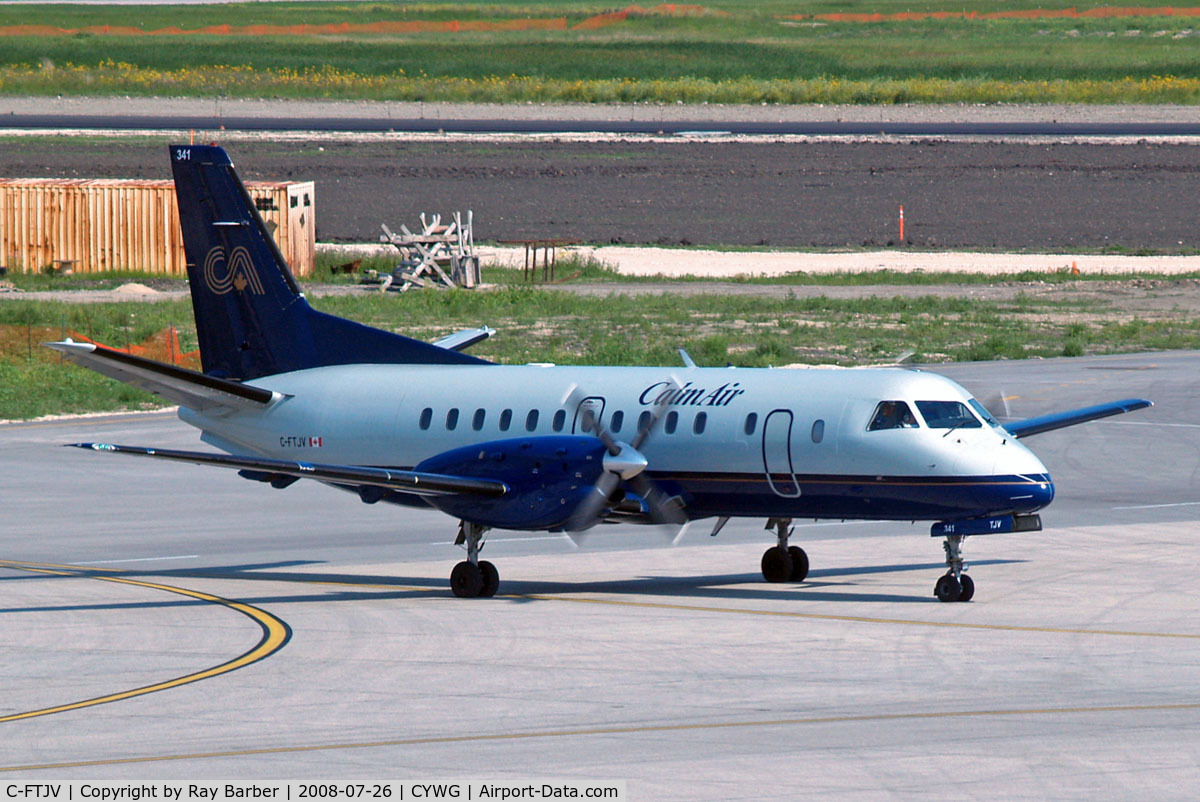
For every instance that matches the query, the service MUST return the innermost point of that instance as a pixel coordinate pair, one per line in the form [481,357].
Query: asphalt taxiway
[178,622]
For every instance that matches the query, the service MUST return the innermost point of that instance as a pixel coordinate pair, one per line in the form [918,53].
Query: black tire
[466,580]
[947,589]
[776,565]
[491,579]
[799,564]
[968,588]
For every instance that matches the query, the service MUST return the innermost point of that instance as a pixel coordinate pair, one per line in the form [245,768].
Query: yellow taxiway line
[275,634]
[272,642]
[602,731]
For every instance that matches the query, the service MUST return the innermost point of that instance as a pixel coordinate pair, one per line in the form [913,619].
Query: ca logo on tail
[236,272]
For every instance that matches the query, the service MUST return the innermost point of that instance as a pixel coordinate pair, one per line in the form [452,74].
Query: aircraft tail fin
[251,318]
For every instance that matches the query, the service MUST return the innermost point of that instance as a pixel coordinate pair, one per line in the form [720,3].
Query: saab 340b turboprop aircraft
[290,393]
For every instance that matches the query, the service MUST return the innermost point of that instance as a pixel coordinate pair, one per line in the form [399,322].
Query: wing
[415,482]
[185,387]
[1058,420]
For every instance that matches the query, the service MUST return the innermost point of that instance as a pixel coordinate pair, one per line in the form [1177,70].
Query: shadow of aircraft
[342,587]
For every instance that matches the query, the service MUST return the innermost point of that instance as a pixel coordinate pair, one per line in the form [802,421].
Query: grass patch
[749,53]
[539,325]
[40,282]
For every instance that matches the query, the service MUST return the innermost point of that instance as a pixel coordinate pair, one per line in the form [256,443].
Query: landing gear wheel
[776,564]
[491,579]
[466,580]
[968,588]
[948,589]
[799,564]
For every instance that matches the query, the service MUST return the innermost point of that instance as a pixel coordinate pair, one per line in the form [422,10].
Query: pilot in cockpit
[892,415]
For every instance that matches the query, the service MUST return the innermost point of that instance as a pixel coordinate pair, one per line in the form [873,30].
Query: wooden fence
[101,225]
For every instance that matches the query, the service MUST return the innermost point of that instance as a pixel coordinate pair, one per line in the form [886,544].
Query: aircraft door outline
[593,402]
[777,453]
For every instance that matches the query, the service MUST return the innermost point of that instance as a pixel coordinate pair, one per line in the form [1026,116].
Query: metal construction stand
[438,256]
[549,249]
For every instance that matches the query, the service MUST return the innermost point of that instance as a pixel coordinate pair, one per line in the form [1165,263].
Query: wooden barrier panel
[102,225]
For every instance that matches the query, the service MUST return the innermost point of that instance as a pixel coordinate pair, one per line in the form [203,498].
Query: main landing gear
[955,585]
[784,563]
[473,577]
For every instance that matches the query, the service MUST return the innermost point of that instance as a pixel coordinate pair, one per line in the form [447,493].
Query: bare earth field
[798,194]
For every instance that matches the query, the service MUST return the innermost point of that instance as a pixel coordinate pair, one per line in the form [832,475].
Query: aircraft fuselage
[732,442]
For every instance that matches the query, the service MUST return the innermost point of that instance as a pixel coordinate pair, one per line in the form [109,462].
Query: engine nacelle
[548,478]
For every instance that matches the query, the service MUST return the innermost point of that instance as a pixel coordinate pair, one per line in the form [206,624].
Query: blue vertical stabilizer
[251,318]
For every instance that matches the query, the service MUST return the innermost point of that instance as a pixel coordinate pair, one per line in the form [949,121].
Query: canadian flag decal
[314,442]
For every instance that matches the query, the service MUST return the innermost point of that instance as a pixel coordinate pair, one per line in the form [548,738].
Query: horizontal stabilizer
[462,340]
[185,387]
[416,482]
[1059,420]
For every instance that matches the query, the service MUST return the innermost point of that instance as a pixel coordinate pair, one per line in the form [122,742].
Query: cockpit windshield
[892,415]
[948,415]
[981,410]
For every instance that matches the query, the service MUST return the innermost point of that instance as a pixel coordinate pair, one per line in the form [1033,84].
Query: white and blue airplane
[290,393]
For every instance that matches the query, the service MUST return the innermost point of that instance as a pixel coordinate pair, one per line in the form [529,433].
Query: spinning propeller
[623,462]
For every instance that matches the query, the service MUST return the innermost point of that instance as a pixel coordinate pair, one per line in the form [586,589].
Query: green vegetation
[540,325]
[738,52]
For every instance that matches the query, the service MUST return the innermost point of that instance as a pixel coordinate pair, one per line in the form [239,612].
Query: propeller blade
[664,509]
[679,535]
[656,414]
[997,404]
[623,463]
[592,508]
[575,398]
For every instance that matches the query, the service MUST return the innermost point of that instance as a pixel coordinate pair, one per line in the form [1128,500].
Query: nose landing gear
[955,585]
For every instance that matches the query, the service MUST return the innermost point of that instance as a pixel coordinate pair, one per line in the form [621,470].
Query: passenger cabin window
[616,421]
[672,422]
[751,423]
[560,420]
[700,422]
[644,421]
[426,418]
[505,420]
[818,430]
[948,415]
[531,420]
[452,419]
[477,421]
[892,415]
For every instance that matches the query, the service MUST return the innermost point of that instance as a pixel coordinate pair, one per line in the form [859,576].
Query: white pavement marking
[1156,423]
[502,540]
[140,560]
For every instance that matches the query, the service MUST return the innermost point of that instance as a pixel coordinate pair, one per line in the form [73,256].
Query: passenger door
[777,453]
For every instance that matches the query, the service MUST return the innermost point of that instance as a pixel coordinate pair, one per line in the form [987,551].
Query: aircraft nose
[1023,494]
[1035,488]
[1043,492]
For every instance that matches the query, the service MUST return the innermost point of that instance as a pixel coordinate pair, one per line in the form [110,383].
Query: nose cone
[1041,494]
[1029,487]
[1032,490]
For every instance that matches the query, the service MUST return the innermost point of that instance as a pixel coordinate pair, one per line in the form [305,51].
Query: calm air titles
[689,396]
